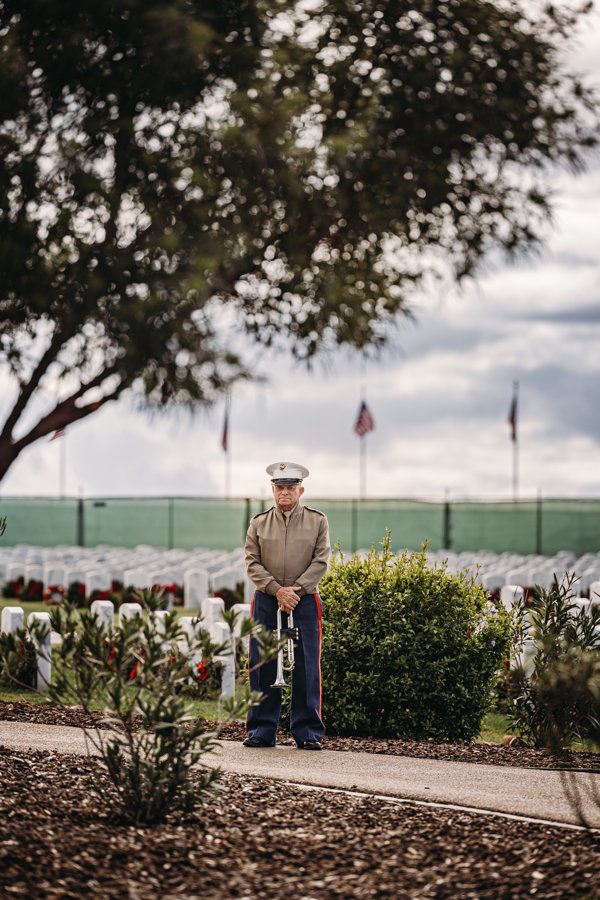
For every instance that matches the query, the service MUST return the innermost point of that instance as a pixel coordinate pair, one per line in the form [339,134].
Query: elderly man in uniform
[287,552]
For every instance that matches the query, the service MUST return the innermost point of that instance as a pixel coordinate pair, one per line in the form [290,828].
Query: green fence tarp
[543,527]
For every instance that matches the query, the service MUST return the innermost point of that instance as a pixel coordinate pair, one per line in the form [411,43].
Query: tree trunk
[8,454]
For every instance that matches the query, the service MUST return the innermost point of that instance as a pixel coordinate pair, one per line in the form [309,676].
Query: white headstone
[220,633]
[34,572]
[228,578]
[136,578]
[526,658]
[195,588]
[511,594]
[211,610]
[595,591]
[163,579]
[492,581]
[129,611]
[243,611]
[104,610]
[190,626]
[159,618]
[520,576]
[12,619]
[75,573]
[42,651]
[97,580]
[54,575]
[15,569]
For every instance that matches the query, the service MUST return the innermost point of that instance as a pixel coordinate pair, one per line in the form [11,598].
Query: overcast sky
[440,397]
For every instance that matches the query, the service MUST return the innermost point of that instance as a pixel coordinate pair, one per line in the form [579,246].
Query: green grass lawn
[206,709]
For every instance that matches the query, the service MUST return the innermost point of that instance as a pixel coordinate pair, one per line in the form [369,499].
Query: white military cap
[286,473]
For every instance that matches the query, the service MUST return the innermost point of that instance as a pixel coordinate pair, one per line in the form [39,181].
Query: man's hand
[287,599]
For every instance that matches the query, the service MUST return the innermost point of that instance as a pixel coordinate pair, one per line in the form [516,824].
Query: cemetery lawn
[26,605]
[262,838]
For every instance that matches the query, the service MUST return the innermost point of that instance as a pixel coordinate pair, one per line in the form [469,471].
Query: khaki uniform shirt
[286,549]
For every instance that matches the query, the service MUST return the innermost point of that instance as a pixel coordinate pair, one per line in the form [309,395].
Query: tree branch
[66,412]
[27,390]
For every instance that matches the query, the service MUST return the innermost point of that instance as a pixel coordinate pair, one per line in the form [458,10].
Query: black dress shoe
[256,742]
[311,745]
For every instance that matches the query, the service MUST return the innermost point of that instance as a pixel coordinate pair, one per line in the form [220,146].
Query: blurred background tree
[302,164]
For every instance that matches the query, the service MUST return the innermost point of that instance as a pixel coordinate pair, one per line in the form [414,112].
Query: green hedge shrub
[409,650]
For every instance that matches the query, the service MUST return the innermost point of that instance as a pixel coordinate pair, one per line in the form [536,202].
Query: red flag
[364,422]
[225,435]
[512,418]
[57,434]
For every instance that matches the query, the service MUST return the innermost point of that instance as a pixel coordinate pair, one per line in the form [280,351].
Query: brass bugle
[292,637]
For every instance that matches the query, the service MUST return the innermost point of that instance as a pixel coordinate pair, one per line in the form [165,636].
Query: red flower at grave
[54,593]
[203,671]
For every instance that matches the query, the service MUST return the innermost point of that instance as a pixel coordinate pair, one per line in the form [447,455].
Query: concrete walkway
[534,793]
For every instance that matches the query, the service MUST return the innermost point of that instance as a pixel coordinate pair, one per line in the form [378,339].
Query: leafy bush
[409,650]
[137,674]
[553,686]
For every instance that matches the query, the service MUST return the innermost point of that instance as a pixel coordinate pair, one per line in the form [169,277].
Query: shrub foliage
[18,661]
[139,674]
[554,687]
[409,650]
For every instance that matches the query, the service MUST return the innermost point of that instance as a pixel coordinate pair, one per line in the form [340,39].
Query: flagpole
[227,474]
[62,466]
[515,441]
[226,444]
[362,442]
[362,453]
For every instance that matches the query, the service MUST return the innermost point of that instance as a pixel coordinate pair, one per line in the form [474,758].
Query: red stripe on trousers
[319,618]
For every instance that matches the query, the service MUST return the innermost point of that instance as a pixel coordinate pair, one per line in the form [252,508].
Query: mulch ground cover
[492,754]
[260,838]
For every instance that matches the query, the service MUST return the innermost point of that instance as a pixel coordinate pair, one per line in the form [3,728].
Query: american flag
[364,422]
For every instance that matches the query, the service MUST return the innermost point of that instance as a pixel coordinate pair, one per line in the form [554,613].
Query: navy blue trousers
[305,719]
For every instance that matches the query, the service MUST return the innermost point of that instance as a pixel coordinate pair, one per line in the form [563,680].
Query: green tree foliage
[300,166]
[409,650]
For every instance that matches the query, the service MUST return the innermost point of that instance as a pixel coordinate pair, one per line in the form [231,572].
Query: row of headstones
[494,571]
[12,620]
[200,577]
[511,594]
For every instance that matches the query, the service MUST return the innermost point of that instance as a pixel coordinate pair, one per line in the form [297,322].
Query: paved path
[526,792]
